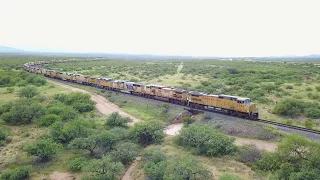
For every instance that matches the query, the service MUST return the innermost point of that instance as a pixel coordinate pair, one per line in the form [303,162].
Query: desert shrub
[312,112]
[5,81]
[296,158]
[304,174]
[4,133]
[187,120]
[125,152]
[158,166]
[18,173]
[313,95]
[233,71]
[308,123]
[10,90]
[203,139]
[103,169]
[185,167]
[79,101]
[28,91]
[249,154]
[35,80]
[289,122]
[308,89]
[65,112]
[48,119]
[22,111]
[146,133]
[104,140]
[44,149]
[115,120]
[289,87]
[78,163]
[83,107]
[122,133]
[270,87]
[289,107]
[64,133]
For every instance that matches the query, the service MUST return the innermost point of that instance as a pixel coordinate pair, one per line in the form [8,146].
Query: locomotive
[232,105]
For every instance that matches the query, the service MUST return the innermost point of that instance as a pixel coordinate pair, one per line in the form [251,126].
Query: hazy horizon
[185,28]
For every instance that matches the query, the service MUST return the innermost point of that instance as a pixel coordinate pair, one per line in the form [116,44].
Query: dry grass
[13,152]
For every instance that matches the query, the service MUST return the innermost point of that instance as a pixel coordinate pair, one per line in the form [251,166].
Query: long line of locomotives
[232,105]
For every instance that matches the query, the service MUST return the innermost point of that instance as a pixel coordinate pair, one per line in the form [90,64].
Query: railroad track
[195,110]
[289,126]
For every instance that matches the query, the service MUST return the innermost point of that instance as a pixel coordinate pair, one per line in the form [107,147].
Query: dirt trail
[180,68]
[102,104]
[61,176]
[127,175]
[260,144]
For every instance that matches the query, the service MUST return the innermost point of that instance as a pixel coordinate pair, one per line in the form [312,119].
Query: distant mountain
[314,56]
[6,49]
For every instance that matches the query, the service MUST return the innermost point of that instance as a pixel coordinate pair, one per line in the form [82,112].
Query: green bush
[312,112]
[28,91]
[122,133]
[308,123]
[44,149]
[146,133]
[203,139]
[65,133]
[249,154]
[10,90]
[77,164]
[318,88]
[313,95]
[187,120]
[125,152]
[83,107]
[104,169]
[115,120]
[18,173]
[289,87]
[79,101]
[22,111]
[289,107]
[4,133]
[296,158]
[65,112]
[48,119]
[308,89]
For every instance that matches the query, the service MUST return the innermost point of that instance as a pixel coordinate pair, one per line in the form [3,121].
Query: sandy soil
[173,129]
[261,144]
[102,104]
[61,176]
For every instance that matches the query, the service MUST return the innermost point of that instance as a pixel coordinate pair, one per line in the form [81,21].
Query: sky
[164,27]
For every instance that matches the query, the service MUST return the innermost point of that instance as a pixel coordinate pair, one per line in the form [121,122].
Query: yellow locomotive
[233,105]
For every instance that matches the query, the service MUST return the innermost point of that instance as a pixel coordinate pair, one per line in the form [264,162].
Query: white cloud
[222,28]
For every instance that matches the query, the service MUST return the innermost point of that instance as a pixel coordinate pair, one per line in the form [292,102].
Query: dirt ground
[102,104]
[261,144]
[61,176]
[173,129]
